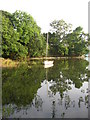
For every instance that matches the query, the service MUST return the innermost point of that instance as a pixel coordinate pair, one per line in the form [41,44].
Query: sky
[45,11]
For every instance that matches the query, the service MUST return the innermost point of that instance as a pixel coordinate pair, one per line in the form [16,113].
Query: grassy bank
[8,63]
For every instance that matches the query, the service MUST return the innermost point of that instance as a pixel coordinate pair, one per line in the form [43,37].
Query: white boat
[48,62]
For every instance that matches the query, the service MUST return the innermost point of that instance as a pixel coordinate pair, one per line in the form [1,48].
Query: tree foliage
[65,42]
[21,36]
[76,42]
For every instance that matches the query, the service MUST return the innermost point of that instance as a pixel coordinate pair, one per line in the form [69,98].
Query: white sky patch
[45,11]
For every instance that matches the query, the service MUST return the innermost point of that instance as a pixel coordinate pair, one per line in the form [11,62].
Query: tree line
[22,37]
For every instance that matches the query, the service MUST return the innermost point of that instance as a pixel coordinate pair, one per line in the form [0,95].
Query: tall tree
[21,36]
[61,28]
[59,31]
[67,42]
[10,46]
[29,32]
[76,42]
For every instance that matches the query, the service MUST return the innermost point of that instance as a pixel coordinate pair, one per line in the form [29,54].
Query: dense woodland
[22,37]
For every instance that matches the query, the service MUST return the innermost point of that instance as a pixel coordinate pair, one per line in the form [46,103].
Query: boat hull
[48,64]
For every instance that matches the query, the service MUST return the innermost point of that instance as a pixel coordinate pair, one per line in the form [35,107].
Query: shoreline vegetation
[8,63]
[53,58]
[14,63]
[23,41]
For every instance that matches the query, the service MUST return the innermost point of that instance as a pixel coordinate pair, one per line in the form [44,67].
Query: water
[31,91]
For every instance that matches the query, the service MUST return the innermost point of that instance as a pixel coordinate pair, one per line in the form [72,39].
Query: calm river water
[32,91]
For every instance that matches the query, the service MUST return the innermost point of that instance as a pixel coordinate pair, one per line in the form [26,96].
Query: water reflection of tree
[53,109]
[71,71]
[60,86]
[20,84]
[66,73]
[38,103]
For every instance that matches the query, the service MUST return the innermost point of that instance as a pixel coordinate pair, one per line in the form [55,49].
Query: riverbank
[13,63]
[8,63]
[54,58]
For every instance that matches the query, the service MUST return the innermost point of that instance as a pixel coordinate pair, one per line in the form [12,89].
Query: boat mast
[47,46]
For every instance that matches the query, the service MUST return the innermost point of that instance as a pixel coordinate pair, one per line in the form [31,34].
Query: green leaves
[60,27]
[77,42]
[21,36]
[65,42]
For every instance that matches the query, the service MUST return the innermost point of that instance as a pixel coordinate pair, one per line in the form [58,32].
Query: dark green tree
[59,31]
[21,36]
[65,42]
[29,33]
[77,42]
[10,45]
